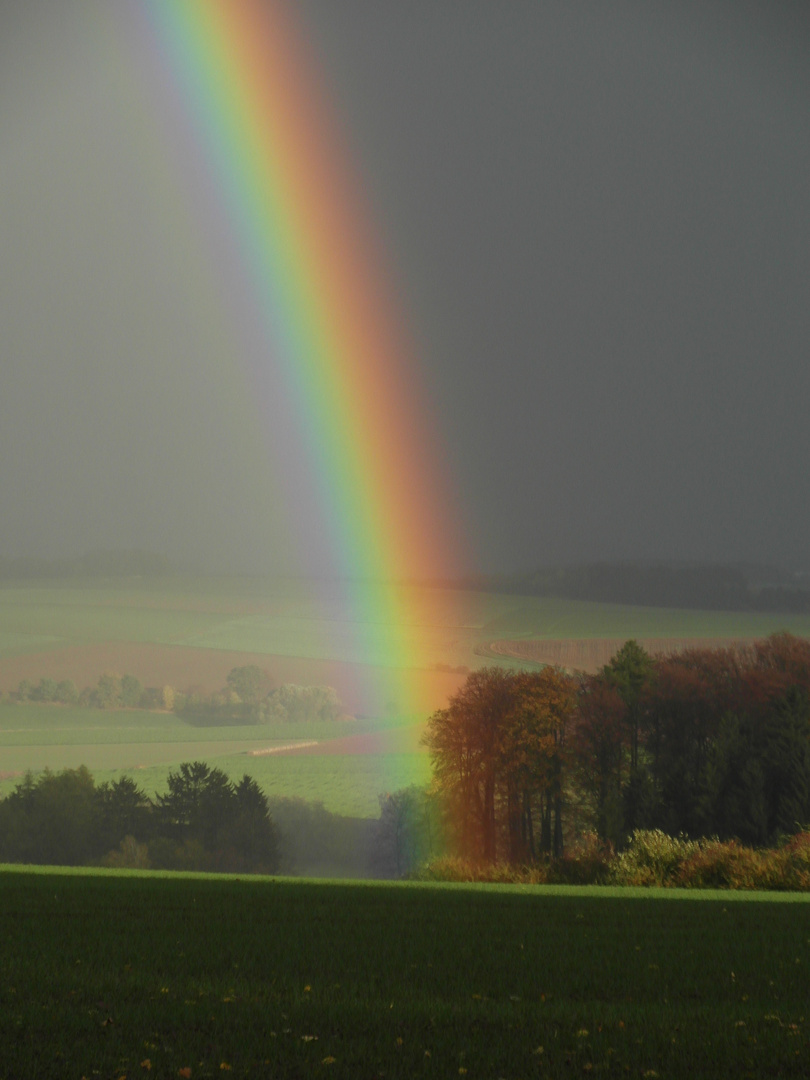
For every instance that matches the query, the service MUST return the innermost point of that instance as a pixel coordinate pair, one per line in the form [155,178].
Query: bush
[651,858]
[454,868]
[189,854]
[588,863]
[129,855]
[724,865]
[792,863]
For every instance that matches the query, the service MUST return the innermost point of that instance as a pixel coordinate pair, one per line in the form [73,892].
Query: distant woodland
[249,697]
[701,587]
[102,563]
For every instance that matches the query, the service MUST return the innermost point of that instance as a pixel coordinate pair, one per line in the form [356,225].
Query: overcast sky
[597,217]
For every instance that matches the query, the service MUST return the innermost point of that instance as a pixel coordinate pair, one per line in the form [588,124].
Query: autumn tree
[533,760]
[727,740]
[465,745]
[499,759]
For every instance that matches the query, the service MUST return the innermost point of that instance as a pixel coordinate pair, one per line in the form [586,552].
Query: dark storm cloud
[603,212]
[597,215]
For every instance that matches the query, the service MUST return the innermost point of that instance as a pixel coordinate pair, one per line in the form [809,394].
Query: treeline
[703,743]
[205,822]
[202,822]
[102,563]
[112,691]
[701,587]
[248,697]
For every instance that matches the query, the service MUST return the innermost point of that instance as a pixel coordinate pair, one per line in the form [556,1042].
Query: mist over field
[596,224]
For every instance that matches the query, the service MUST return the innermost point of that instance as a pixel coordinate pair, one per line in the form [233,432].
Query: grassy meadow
[147,745]
[114,975]
[189,632]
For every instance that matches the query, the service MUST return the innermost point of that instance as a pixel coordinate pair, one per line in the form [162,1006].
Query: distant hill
[102,563]
[708,587]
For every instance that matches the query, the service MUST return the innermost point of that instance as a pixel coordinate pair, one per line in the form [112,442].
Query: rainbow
[251,91]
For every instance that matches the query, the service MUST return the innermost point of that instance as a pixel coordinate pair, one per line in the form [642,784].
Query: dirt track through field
[395,741]
[589,654]
[207,669]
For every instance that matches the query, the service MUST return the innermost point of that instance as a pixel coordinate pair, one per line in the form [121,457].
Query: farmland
[190,632]
[347,768]
[589,654]
[111,975]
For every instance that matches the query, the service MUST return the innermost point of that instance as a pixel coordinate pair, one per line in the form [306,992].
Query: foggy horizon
[597,226]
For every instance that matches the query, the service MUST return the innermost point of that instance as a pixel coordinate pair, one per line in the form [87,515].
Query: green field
[347,784]
[147,745]
[44,617]
[290,618]
[553,618]
[43,623]
[114,975]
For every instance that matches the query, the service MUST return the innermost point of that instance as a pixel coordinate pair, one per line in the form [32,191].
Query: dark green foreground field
[111,975]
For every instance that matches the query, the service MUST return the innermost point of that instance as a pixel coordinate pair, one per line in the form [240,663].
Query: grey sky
[598,217]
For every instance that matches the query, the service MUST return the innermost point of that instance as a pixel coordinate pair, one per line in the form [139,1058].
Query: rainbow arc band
[252,91]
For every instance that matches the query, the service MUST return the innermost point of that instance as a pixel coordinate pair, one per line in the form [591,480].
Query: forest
[707,742]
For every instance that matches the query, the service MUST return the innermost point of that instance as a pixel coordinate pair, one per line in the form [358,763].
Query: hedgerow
[651,859]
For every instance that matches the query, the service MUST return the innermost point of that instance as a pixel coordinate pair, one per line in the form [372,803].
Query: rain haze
[596,222]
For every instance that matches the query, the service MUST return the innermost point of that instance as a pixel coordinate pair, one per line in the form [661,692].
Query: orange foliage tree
[499,759]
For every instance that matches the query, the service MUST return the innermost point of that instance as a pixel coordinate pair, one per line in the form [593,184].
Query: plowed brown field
[184,668]
[590,654]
